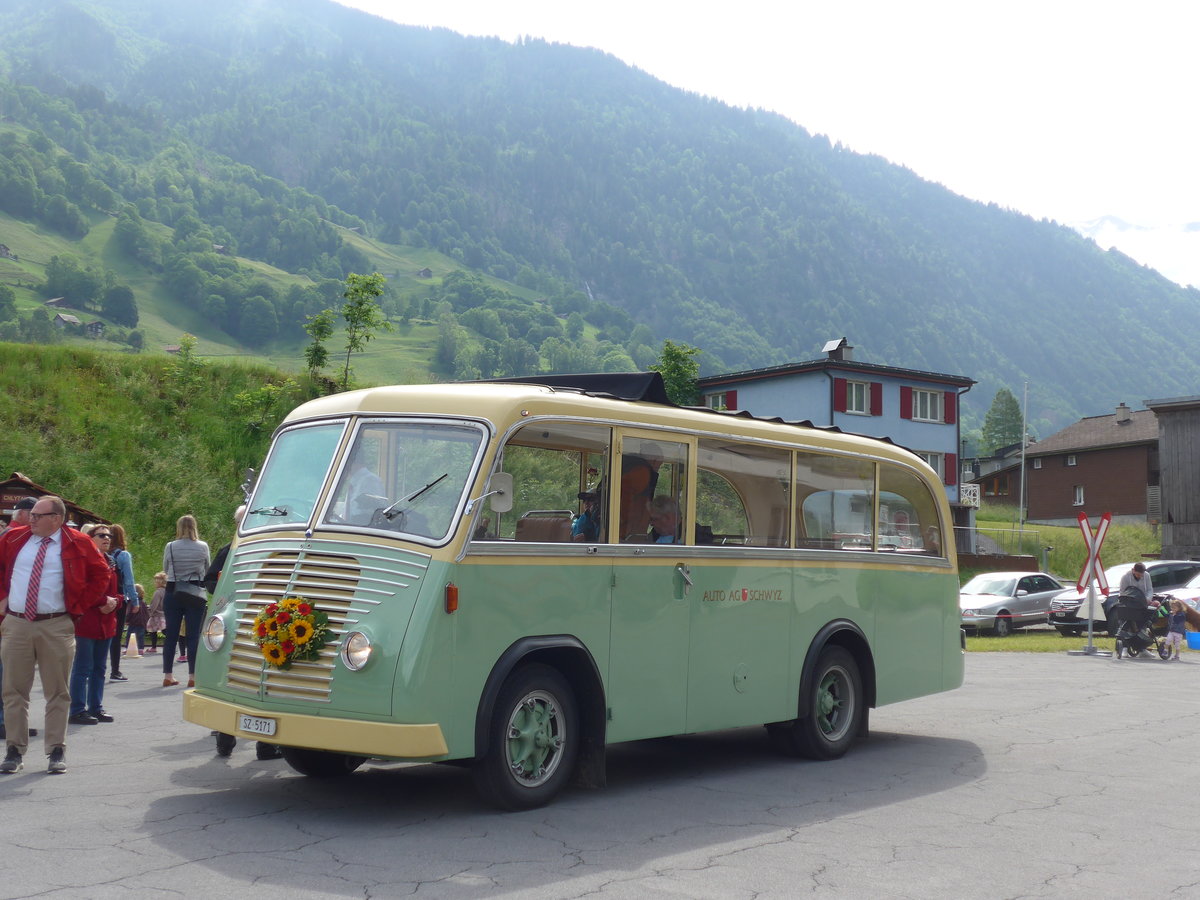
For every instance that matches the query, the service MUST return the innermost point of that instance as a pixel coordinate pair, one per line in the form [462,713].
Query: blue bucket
[1193,639]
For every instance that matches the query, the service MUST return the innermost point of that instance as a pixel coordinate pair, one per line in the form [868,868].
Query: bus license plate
[255,725]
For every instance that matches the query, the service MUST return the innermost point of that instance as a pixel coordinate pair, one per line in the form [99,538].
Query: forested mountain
[575,176]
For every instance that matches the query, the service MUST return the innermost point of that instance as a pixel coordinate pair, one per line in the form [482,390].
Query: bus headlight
[214,633]
[356,650]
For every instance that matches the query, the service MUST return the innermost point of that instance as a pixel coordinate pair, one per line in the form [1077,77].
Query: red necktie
[35,581]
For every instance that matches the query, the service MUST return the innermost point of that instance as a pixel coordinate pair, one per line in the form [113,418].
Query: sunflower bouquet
[292,630]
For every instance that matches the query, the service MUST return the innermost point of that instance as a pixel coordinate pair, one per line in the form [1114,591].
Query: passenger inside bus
[586,526]
[639,477]
[663,512]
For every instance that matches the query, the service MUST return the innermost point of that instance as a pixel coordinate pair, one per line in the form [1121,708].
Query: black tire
[225,744]
[533,740]
[321,763]
[835,710]
[1164,650]
[263,750]
[1004,625]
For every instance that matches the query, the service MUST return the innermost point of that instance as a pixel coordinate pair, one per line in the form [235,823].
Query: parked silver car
[1002,601]
[1067,612]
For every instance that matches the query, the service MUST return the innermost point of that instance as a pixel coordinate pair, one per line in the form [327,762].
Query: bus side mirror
[500,487]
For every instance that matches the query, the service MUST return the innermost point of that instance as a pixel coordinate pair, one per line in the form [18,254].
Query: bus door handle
[685,572]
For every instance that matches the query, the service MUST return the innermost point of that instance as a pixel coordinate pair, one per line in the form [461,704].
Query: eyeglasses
[105,535]
[35,516]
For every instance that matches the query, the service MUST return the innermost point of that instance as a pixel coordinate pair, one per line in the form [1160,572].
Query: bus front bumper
[376,739]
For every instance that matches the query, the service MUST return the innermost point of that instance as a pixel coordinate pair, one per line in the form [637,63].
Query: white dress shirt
[51,598]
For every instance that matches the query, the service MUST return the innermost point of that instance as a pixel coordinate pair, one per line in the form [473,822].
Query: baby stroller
[1135,627]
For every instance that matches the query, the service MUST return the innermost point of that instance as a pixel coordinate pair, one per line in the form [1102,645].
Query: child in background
[156,621]
[1176,625]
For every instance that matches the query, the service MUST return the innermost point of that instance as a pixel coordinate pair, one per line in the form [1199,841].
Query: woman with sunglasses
[94,631]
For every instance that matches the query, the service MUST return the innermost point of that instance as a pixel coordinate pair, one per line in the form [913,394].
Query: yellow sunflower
[302,632]
[274,653]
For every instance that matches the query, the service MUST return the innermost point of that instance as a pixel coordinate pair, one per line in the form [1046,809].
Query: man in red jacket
[49,575]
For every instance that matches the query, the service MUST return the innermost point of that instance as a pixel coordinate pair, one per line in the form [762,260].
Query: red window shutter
[905,402]
[876,398]
[950,409]
[731,400]
[950,463]
[839,395]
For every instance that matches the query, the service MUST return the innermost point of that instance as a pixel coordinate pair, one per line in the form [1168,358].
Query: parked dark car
[1070,618]
[1002,601]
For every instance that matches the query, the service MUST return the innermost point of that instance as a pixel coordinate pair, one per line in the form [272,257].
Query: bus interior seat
[545,526]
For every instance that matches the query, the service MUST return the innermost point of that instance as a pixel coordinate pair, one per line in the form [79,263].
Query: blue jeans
[88,674]
[176,612]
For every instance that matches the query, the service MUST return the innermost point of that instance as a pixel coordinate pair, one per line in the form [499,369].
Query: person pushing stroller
[1135,607]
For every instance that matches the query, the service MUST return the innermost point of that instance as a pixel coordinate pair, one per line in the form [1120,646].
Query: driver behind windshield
[365,493]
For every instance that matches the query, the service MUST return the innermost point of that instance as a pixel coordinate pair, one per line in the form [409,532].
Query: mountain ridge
[734,230]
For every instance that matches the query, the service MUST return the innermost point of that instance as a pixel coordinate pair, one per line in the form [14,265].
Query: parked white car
[1002,601]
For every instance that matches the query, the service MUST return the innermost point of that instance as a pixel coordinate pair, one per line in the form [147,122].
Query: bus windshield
[291,481]
[405,476]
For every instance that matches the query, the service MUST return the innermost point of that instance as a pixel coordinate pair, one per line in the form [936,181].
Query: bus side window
[743,492]
[908,517]
[835,496]
[650,469]
[552,465]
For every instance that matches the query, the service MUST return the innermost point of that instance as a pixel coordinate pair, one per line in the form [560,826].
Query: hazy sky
[1063,109]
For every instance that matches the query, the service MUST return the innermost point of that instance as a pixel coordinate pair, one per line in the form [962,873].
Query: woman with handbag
[185,560]
[129,605]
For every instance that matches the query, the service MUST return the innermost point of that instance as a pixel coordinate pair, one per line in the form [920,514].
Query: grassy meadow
[134,439]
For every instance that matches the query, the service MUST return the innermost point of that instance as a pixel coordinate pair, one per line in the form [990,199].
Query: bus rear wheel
[835,710]
[533,740]
[320,763]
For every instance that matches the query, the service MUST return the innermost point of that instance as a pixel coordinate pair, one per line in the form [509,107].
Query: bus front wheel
[533,740]
[320,763]
[835,710]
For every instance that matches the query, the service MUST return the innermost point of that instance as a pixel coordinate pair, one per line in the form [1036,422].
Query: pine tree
[1002,424]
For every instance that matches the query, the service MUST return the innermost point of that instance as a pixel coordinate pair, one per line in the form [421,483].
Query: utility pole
[1024,442]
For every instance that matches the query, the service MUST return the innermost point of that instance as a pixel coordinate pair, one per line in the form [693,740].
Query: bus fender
[569,656]
[843,633]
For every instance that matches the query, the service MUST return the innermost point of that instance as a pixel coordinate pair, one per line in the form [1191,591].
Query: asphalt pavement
[1046,775]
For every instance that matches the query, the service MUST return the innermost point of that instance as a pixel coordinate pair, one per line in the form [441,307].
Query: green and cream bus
[516,575]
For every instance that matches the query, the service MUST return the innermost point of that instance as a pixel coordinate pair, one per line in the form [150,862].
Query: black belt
[38,618]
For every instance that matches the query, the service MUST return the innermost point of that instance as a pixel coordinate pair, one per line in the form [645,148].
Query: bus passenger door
[647,689]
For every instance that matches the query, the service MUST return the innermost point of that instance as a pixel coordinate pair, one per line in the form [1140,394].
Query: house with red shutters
[918,410]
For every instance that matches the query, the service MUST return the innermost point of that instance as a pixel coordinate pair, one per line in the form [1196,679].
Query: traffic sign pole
[1092,575]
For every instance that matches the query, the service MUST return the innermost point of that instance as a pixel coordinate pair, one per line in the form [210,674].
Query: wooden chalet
[17,487]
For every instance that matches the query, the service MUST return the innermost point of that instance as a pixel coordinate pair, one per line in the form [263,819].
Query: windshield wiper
[391,512]
[268,511]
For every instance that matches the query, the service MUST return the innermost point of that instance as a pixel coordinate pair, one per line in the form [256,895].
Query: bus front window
[406,476]
[292,478]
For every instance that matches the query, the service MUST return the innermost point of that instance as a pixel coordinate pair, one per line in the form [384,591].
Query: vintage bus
[515,575]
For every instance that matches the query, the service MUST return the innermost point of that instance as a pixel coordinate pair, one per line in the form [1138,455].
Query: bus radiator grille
[345,587]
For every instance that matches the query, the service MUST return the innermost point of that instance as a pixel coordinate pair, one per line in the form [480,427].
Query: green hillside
[136,439]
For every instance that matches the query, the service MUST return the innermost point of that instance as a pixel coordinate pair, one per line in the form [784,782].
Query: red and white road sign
[1093,568]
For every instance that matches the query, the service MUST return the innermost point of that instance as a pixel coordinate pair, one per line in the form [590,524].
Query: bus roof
[638,399]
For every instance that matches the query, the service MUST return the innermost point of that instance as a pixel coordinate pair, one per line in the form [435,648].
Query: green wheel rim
[535,739]
[835,704]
